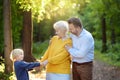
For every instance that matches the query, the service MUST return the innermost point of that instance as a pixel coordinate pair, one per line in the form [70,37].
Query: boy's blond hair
[14,53]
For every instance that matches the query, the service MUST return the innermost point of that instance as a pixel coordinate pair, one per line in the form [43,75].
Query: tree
[1,30]
[104,40]
[103,16]
[8,45]
[27,36]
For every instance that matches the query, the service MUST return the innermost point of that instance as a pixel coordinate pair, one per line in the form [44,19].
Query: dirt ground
[101,71]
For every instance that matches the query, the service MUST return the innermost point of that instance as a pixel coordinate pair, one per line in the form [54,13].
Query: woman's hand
[44,63]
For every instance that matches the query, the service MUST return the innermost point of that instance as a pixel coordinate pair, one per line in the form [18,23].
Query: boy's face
[20,56]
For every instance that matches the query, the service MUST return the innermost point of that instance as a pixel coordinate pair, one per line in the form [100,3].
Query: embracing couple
[75,48]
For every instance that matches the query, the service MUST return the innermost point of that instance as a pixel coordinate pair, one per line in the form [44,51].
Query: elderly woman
[56,57]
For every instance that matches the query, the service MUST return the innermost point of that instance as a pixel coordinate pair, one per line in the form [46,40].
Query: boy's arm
[29,65]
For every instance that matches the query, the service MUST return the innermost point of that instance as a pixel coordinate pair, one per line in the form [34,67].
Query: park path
[101,71]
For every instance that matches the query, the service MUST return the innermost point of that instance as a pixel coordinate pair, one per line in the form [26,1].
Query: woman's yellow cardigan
[57,56]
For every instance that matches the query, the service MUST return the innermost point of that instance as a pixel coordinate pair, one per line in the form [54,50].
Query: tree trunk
[27,36]
[104,40]
[113,37]
[8,45]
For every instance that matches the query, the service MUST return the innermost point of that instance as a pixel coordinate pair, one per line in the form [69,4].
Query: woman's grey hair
[63,25]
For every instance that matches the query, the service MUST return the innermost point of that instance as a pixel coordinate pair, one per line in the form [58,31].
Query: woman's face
[61,33]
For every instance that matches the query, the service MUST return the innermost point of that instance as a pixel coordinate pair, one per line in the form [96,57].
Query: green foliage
[112,56]
[39,48]
[107,58]
[16,23]
[98,45]
[91,18]
[114,52]
[43,30]
[42,9]
[4,76]
[94,10]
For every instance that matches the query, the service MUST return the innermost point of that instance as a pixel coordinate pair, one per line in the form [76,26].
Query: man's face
[72,29]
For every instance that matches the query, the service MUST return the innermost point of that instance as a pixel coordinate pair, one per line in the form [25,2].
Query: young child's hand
[37,69]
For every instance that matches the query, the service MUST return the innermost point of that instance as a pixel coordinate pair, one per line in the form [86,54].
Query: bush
[111,56]
[114,52]
[98,45]
[4,76]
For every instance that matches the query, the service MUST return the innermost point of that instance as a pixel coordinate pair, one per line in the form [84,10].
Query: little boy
[21,67]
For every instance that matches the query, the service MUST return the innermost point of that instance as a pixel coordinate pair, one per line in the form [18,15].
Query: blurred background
[28,24]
